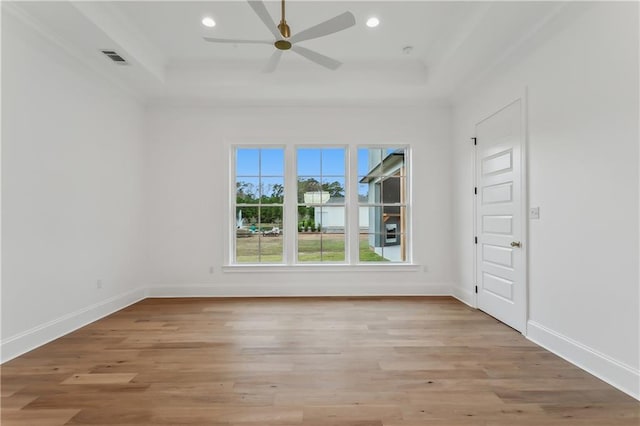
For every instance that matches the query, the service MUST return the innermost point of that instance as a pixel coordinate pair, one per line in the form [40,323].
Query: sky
[326,164]
[311,161]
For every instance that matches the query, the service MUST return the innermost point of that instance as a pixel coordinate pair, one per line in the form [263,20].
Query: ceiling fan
[285,41]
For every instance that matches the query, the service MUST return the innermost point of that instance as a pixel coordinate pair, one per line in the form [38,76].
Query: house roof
[392,162]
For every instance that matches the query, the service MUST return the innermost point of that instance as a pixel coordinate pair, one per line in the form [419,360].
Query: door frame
[492,109]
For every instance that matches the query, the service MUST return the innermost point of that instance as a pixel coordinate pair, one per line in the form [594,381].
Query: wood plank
[99,379]
[400,361]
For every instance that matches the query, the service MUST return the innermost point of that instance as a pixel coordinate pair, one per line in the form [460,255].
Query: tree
[334,189]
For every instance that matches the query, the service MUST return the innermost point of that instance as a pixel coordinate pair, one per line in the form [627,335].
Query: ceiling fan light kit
[285,41]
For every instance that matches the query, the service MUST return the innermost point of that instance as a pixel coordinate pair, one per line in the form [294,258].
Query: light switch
[534,213]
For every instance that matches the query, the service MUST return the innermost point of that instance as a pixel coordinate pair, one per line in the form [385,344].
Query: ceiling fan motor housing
[283,44]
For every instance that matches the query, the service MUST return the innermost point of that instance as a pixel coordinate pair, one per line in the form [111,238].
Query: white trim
[464,295]
[612,371]
[323,267]
[297,289]
[524,205]
[474,220]
[39,335]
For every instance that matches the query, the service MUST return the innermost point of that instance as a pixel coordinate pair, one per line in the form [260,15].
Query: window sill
[377,267]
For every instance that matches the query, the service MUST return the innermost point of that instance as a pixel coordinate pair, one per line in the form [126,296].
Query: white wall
[583,174]
[189,166]
[71,192]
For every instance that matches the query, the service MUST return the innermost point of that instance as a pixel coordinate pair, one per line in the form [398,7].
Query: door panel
[500,265]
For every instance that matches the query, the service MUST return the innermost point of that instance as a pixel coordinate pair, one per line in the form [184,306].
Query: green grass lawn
[312,247]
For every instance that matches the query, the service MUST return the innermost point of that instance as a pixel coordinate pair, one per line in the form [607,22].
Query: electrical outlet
[99,284]
[425,268]
[211,269]
[534,213]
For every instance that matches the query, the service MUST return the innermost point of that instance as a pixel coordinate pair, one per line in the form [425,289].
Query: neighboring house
[331,212]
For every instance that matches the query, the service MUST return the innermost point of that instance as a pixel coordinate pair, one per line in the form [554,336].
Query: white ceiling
[454,43]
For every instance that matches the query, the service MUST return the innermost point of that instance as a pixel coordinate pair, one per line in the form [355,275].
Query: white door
[500,258]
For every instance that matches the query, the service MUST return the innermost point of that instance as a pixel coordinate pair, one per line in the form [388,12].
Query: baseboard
[463,295]
[613,372]
[299,289]
[28,340]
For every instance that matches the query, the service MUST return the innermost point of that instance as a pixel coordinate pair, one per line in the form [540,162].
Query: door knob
[515,243]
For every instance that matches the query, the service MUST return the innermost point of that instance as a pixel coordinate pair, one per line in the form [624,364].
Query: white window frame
[232,203]
[347,190]
[408,204]
[290,212]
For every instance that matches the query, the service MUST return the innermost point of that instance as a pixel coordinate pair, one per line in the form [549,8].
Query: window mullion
[290,206]
[352,208]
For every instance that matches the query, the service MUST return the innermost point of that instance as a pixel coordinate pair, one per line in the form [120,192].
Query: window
[382,202]
[259,205]
[320,205]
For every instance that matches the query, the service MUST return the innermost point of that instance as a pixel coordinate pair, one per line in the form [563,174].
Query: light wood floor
[321,362]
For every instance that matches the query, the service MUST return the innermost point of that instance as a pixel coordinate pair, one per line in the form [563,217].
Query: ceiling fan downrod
[283,27]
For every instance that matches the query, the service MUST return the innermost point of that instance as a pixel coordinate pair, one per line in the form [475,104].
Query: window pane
[370,161]
[333,245]
[392,190]
[321,235]
[270,247]
[246,217]
[330,218]
[310,190]
[258,248]
[247,162]
[306,215]
[393,163]
[334,186]
[247,241]
[272,190]
[309,244]
[247,190]
[369,192]
[309,160]
[272,162]
[389,247]
[374,162]
[376,219]
[271,238]
[247,246]
[271,219]
[383,227]
[333,162]
[368,251]
[370,219]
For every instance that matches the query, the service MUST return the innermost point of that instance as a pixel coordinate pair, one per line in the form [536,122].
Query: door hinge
[475,239]
[475,141]
[476,289]
[475,190]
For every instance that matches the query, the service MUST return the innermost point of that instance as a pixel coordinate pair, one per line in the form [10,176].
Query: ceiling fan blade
[234,41]
[260,9]
[274,60]
[333,25]
[316,57]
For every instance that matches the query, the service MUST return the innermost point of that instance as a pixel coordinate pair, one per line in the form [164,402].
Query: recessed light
[373,22]
[208,21]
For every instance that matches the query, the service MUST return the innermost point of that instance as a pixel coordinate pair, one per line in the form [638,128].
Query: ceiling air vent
[115,57]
